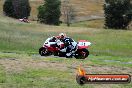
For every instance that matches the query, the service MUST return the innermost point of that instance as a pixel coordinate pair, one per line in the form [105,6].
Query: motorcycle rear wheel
[82,54]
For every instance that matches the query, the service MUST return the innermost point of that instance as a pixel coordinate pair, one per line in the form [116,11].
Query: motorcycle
[53,48]
[24,20]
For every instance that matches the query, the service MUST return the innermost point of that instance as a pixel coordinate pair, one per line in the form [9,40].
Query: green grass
[53,75]
[37,78]
[99,23]
[28,80]
[24,68]
[42,78]
[2,75]
[28,38]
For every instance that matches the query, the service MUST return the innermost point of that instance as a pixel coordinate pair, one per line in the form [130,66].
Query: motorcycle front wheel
[43,51]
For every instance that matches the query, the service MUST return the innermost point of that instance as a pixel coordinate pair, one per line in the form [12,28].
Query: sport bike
[55,48]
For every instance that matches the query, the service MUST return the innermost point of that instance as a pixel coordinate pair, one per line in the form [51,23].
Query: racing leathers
[69,45]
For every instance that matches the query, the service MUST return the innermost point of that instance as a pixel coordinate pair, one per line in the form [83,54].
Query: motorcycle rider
[70,44]
[25,19]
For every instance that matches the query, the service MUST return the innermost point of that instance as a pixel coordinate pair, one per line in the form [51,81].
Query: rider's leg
[69,51]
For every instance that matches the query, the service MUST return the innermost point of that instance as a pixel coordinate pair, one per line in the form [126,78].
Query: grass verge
[51,72]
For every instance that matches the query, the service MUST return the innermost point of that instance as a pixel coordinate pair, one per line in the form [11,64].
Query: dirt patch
[19,65]
[97,69]
[108,69]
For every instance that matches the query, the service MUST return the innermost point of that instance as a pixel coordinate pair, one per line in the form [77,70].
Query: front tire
[43,51]
[82,54]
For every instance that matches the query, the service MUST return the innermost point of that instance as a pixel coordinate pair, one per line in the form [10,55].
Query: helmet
[62,35]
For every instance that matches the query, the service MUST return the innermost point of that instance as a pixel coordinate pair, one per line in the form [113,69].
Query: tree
[50,13]
[8,8]
[22,8]
[68,12]
[116,13]
[17,8]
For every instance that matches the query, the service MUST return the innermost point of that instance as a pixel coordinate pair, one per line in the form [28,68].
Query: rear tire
[82,54]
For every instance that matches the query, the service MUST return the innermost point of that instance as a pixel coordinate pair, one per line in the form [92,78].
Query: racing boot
[69,55]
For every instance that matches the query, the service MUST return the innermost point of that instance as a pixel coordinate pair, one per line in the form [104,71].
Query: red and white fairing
[83,44]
